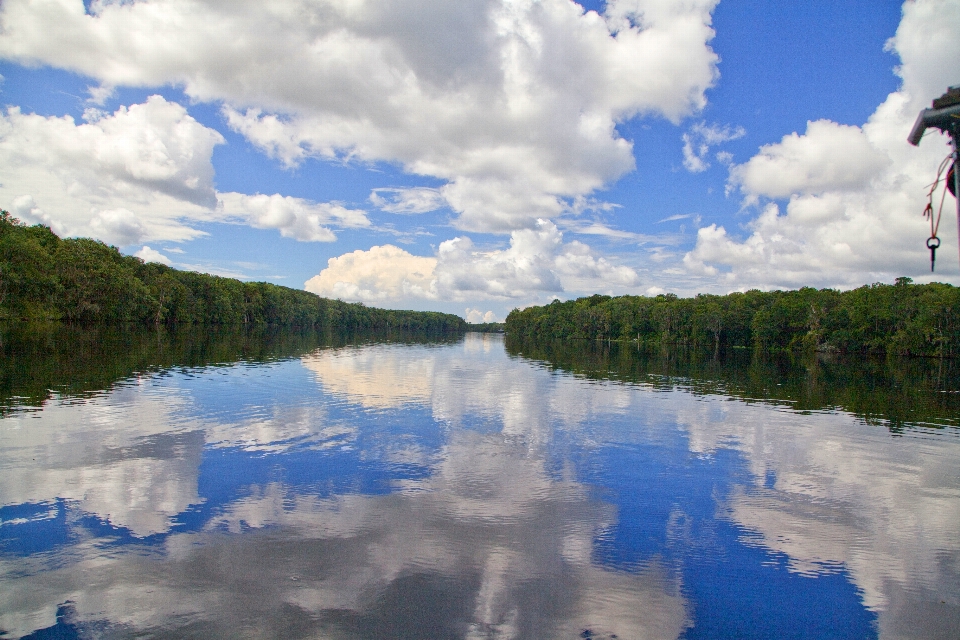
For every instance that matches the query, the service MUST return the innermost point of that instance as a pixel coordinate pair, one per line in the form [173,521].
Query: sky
[476,157]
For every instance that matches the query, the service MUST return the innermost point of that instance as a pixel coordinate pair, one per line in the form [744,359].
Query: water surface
[294,486]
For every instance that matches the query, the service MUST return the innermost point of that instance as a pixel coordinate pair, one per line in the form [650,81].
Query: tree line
[81,281]
[902,318]
[486,327]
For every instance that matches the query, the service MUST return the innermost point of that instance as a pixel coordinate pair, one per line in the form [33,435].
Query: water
[273,486]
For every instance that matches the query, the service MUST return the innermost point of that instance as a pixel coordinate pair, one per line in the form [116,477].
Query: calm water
[278,487]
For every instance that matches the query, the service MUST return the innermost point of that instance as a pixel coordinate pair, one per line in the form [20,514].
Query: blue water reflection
[434,491]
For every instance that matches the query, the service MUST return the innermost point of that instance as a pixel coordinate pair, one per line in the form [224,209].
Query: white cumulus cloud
[828,157]
[380,274]
[537,261]
[478,316]
[124,177]
[513,103]
[141,173]
[295,217]
[152,255]
[854,195]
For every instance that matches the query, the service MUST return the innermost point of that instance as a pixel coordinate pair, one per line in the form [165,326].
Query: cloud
[537,261]
[513,104]
[383,273]
[214,269]
[120,225]
[476,316]
[828,157]
[294,217]
[527,266]
[142,173]
[25,208]
[100,94]
[152,255]
[596,228]
[724,157]
[679,216]
[853,194]
[124,177]
[412,200]
[698,140]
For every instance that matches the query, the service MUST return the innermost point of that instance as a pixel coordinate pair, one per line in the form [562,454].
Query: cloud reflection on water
[497,539]
[501,547]
[832,492]
[845,495]
[120,456]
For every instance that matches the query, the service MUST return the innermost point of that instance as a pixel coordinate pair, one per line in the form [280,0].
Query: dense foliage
[83,281]
[486,327]
[904,319]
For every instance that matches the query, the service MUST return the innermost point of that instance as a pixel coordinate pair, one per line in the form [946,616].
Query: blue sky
[477,157]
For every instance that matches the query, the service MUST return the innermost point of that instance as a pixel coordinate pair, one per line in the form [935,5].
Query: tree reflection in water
[295,485]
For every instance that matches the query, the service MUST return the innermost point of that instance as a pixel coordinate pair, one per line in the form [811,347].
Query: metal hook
[933,243]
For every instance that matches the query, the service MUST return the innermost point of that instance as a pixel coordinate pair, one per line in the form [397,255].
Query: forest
[84,282]
[898,319]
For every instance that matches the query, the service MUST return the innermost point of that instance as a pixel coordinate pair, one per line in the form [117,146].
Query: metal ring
[933,242]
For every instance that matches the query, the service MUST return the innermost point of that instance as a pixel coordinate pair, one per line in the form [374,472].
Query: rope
[928,211]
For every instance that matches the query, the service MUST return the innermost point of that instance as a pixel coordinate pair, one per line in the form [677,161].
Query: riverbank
[85,282]
[902,319]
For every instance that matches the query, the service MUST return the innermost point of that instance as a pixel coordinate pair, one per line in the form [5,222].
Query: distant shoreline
[85,282]
[899,319]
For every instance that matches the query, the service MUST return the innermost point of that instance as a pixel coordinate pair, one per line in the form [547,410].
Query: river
[467,488]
